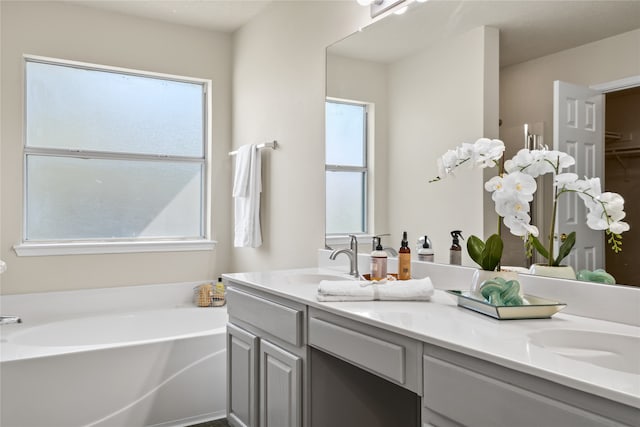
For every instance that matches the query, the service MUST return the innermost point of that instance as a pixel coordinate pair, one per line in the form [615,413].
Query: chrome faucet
[9,319]
[352,253]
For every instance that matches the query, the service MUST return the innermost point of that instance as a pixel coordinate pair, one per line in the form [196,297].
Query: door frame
[616,85]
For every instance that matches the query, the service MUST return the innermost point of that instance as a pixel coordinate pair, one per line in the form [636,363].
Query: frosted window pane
[345,134]
[84,109]
[345,202]
[72,198]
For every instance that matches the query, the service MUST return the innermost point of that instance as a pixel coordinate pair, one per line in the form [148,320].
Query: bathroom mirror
[448,72]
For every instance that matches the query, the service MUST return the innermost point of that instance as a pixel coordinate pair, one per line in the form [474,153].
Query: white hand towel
[247,186]
[242,172]
[397,290]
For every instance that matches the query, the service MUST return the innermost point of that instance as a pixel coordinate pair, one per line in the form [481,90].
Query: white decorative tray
[538,308]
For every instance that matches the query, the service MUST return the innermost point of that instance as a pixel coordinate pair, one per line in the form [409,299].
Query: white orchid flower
[510,206]
[519,224]
[565,179]
[539,162]
[521,160]
[618,227]
[447,163]
[559,159]
[486,152]
[531,162]
[612,201]
[465,150]
[579,185]
[483,153]
[606,212]
[515,185]
[513,191]
[494,184]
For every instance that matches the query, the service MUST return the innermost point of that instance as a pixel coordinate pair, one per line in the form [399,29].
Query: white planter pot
[479,276]
[559,272]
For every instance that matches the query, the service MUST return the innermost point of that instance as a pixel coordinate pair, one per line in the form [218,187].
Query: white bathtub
[149,367]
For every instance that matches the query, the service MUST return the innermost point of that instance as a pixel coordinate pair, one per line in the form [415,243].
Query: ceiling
[217,15]
[528,28]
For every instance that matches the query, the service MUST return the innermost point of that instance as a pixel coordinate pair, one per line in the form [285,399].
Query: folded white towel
[397,290]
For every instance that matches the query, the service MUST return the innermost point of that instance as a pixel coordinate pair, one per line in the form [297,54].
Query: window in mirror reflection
[346,167]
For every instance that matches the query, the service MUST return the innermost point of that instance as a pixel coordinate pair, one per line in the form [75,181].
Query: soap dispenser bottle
[425,251]
[404,259]
[378,260]
[455,254]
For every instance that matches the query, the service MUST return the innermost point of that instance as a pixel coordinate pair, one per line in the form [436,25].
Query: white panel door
[578,130]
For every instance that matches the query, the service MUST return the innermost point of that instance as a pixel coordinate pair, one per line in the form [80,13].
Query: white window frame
[366,235]
[100,246]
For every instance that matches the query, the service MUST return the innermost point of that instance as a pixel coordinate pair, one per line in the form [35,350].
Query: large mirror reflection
[448,72]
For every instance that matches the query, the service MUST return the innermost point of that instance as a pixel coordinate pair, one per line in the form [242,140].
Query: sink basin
[316,278]
[611,351]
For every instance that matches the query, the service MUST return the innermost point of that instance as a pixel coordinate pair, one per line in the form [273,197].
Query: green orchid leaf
[539,247]
[492,253]
[565,248]
[475,247]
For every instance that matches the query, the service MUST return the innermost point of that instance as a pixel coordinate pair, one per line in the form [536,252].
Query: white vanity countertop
[441,322]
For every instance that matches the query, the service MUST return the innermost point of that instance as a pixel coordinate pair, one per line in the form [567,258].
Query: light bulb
[364,2]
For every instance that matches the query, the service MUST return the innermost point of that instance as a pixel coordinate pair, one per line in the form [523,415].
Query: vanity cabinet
[265,358]
[462,390]
[242,371]
[394,357]
[299,363]
[280,387]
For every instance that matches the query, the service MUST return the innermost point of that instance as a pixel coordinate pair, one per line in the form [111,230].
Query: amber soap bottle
[404,259]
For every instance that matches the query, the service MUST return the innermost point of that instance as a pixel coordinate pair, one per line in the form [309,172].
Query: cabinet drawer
[484,401]
[380,352]
[274,318]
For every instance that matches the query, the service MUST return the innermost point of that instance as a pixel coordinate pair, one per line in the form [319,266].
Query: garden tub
[144,367]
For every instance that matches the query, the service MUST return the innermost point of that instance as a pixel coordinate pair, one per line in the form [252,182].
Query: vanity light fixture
[379,6]
[401,11]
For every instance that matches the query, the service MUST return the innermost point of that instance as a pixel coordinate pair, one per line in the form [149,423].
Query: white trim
[109,68]
[343,239]
[626,83]
[88,248]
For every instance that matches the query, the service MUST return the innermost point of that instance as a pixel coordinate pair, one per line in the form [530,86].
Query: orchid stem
[553,227]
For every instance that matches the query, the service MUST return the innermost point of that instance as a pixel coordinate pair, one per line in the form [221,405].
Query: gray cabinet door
[280,387]
[242,372]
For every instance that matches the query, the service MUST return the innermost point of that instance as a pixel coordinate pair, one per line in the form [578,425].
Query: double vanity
[294,361]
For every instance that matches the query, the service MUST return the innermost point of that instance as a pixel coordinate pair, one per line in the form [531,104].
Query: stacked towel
[247,186]
[399,290]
